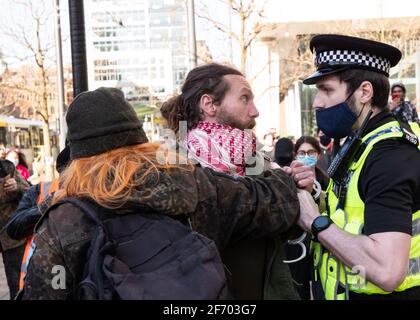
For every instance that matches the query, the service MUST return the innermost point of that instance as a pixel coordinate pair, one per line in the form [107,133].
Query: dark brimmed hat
[101,120]
[399,85]
[336,53]
[63,159]
[283,152]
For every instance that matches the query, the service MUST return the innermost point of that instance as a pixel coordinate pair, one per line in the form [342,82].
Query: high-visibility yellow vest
[336,278]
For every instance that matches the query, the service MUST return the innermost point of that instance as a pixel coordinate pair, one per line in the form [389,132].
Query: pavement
[4,289]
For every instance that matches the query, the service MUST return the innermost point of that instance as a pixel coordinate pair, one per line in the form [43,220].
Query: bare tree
[296,65]
[16,93]
[249,15]
[36,48]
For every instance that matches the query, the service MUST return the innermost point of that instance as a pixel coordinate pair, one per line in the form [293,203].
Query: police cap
[336,53]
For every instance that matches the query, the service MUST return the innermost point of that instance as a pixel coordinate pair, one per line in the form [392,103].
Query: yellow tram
[24,134]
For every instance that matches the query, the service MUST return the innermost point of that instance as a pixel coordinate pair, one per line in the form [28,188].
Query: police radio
[344,157]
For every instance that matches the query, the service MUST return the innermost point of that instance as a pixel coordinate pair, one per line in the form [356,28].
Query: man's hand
[10,185]
[308,210]
[303,175]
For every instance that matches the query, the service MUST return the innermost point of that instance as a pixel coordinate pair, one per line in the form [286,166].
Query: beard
[229,119]
[352,104]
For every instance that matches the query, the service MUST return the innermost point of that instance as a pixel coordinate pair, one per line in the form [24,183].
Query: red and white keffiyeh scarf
[220,147]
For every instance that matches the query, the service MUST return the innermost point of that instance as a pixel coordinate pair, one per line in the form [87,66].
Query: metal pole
[78,46]
[60,80]
[191,34]
[230,30]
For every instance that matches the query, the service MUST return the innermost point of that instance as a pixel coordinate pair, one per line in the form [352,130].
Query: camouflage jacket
[220,207]
[8,204]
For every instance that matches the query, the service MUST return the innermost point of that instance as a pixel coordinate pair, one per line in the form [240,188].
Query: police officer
[367,244]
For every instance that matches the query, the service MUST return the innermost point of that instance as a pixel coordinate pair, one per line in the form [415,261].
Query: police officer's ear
[366,92]
[207,107]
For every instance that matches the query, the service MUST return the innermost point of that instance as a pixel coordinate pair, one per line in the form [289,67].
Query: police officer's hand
[308,210]
[303,175]
[10,185]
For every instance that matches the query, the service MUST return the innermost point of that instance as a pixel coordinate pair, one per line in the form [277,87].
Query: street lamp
[60,78]
[191,34]
[78,46]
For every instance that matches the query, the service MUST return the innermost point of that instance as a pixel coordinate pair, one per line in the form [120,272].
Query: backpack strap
[84,205]
[93,284]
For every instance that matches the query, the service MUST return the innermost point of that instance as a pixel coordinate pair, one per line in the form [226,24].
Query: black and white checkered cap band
[346,57]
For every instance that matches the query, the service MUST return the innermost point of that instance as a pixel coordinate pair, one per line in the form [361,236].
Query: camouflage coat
[220,207]
[8,204]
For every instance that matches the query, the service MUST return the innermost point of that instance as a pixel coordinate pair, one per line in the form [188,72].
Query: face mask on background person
[309,161]
[325,140]
[14,161]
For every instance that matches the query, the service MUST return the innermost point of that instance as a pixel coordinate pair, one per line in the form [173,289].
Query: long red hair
[109,178]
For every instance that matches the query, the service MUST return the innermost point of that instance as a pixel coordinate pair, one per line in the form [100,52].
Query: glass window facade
[150,37]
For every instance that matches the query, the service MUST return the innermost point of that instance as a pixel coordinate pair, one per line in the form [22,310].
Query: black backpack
[138,256]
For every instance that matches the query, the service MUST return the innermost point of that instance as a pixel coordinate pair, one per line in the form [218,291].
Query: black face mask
[325,140]
[337,121]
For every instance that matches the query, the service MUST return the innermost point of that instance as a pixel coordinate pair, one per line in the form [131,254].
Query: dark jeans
[12,260]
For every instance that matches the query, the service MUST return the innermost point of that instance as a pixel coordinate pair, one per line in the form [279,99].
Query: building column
[264,80]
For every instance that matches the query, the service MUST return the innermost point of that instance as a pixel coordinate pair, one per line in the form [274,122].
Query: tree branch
[44,118]
[219,26]
[262,70]
[265,90]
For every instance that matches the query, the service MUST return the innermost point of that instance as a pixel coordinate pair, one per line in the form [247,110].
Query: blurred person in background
[3,152]
[399,106]
[19,160]
[308,152]
[269,143]
[12,188]
[326,155]
[283,152]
